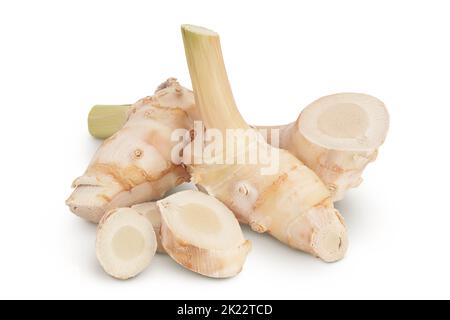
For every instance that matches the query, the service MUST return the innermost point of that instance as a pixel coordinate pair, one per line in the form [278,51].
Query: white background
[58,58]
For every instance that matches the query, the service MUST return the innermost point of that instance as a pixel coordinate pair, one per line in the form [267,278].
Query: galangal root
[318,158]
[134,165]
[126,243]
[336,136]
[196,230]
[202,234]
[292,204]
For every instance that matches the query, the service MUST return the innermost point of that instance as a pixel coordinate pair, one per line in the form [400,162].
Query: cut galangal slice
[202,234]
[126,243]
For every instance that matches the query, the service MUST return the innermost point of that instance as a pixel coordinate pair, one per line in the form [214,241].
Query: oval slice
[202,234]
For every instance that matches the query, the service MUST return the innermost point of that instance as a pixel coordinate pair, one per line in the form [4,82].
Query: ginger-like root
[337,136]
[202,234]
[293,205]
[134,165]
[126,243]
[151,212]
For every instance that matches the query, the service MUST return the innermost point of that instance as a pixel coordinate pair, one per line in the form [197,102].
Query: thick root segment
[275,203]
[337,136]
[293,205]
[323,231]
[126,243]
[134,165]
[151,212]
[202,234]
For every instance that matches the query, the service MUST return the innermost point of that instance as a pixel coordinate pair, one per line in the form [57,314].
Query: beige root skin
[202,234]
[126,243]
[337,136]
[150,211]
[340,168]
[293,205]
[134,165]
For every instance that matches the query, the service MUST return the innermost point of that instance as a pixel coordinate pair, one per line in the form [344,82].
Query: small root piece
[320,231]
[126,243]
[202,234]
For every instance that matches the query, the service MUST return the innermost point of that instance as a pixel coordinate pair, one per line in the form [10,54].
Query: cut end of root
[345,121]
[105,120]
[198,30]
[330,243]
[328,239]
[320,231]
[202,234]
[126,243]
[201,220]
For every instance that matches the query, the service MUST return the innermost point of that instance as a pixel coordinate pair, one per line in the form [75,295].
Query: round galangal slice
[126,243]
